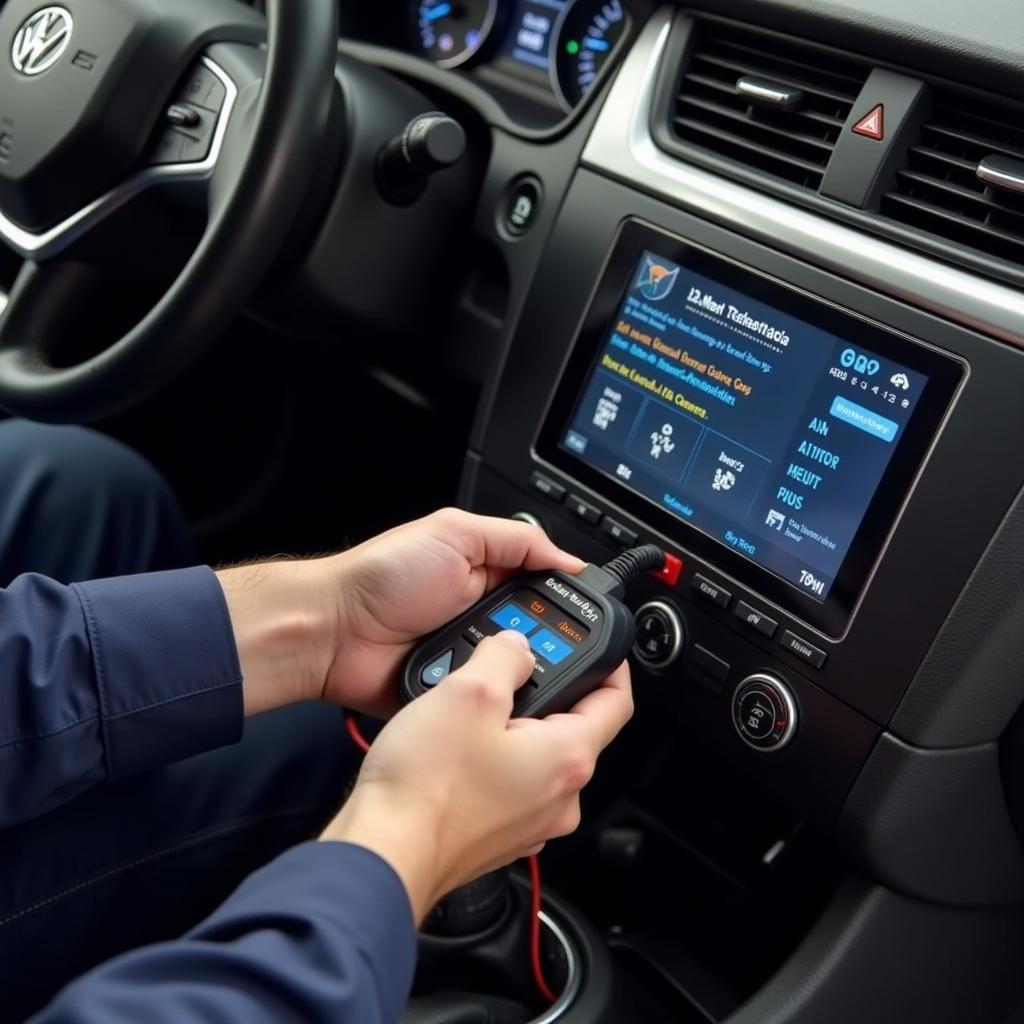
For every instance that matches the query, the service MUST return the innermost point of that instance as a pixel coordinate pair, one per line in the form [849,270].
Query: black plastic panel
[876,956]
[934,824]
[813,774]
[950,518]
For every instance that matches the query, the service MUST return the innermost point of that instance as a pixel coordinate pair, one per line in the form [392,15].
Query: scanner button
[511,616]
[438,668]
[548,646]
[473,635]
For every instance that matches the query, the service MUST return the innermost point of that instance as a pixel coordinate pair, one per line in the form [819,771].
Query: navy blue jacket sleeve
[101,679]
[323,935]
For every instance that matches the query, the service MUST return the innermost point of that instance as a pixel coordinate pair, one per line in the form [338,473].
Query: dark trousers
[142,859]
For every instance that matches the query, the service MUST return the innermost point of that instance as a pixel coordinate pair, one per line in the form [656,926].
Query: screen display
[771,432]
[529,39]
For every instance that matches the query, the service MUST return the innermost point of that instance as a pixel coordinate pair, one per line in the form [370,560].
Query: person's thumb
[497,668]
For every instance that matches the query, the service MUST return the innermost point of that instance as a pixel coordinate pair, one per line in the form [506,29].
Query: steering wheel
[103,103]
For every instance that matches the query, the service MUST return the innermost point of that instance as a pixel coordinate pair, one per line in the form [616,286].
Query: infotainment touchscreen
[764,419]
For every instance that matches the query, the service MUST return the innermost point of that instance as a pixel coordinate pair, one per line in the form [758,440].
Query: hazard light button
[872,124]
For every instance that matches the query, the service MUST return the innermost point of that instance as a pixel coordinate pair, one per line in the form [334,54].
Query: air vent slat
[794,142]
[938,190]
[739,140]
[940,213]
[980,205]
[847,86]
[985,144]
[761,126]
[764,70]
[969,166]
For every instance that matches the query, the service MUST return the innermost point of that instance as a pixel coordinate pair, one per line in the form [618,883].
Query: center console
[826,461]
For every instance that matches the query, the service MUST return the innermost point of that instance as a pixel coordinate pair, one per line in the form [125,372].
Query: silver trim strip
[4,299]
[621,146]
[1002,172]
[561,1006]
[49,243]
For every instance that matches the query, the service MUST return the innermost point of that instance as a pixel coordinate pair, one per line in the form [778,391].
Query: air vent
[790,134]
[939,190]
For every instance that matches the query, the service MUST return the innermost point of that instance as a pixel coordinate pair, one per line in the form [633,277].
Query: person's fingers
[495,543]
[602,713]
[498,666]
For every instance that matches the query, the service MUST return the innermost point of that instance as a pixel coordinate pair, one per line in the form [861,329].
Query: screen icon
[900,380]
[661,441]
[656,278]
[605,413]
[775,520]
[725,480]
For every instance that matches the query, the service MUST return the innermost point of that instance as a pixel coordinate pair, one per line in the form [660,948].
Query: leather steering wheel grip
[246,230]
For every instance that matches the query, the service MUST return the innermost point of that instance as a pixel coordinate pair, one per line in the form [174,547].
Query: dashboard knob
[428,143]
[764,712]
[526,517]
[660,635]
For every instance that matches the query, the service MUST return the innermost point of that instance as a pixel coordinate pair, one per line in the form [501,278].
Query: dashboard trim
[621,145]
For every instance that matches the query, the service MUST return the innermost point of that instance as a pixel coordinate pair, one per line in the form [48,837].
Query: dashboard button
[619,533]
[660,634]
[757,620]
[764,712]
[712,591]
[547,486]
[814,656]
[669,572]
[581,507]
[521,206]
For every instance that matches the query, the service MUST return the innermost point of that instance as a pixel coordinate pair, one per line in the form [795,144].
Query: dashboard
[539,58]
[762,307]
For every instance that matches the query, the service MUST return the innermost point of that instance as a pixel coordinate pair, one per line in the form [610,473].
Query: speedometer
[449,32]
[585,37]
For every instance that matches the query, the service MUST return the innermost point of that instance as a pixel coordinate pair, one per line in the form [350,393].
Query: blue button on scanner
[438,668]
[511,616]
[548,646]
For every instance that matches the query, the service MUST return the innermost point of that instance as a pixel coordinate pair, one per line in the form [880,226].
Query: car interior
[739,278]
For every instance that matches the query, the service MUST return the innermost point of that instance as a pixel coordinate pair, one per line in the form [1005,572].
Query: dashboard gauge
[450,32]
[584,38]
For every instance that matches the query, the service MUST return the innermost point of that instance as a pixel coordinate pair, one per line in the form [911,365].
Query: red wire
[536,892]
[535,904]
[357,737]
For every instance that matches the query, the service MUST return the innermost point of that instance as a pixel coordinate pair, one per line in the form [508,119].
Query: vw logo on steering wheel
[41,40]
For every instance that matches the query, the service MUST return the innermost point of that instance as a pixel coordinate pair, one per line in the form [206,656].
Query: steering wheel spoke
[240,136]
[181,156]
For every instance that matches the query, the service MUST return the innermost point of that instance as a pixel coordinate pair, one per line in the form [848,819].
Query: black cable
[635,562]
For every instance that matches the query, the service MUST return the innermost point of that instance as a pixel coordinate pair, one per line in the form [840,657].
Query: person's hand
[340,627]
[454,787]
[409,581]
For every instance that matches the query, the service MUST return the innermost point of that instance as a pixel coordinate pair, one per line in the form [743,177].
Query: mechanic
[120,817]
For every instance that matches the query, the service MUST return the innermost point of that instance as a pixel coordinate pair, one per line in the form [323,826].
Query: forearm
[322,934]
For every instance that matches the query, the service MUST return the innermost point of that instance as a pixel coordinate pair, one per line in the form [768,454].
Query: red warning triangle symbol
[872,125]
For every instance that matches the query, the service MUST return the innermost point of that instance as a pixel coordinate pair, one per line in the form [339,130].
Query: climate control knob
[660,635]
[764,712]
